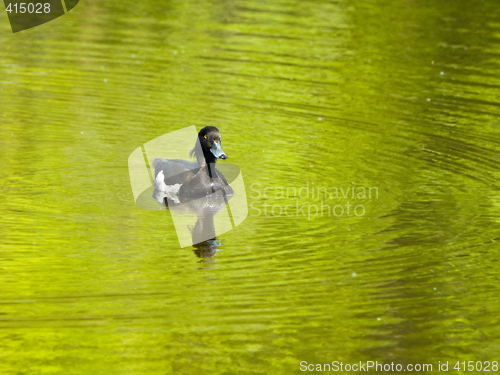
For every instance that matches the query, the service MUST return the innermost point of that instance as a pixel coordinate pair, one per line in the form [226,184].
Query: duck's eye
[205,136]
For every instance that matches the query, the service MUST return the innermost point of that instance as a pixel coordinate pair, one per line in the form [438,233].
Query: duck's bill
[217,151]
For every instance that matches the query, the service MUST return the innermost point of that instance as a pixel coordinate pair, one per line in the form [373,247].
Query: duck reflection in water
[203,233]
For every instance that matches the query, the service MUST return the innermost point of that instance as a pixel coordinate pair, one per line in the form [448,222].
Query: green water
[400,96]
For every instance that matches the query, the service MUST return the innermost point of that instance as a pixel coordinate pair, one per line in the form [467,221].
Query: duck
[176,178]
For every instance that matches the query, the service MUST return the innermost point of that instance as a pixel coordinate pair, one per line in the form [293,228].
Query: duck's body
[194,179]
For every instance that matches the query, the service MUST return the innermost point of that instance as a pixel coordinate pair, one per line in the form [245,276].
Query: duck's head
[210,142]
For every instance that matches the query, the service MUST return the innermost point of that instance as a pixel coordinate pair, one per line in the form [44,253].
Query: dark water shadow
[203,234]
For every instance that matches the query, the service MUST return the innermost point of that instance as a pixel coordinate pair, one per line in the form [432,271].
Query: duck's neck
[207,160]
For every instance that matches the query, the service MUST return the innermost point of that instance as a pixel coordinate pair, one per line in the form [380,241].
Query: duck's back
[193,180]
[176,171]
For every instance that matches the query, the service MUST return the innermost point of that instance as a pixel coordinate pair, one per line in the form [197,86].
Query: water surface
[395,95]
